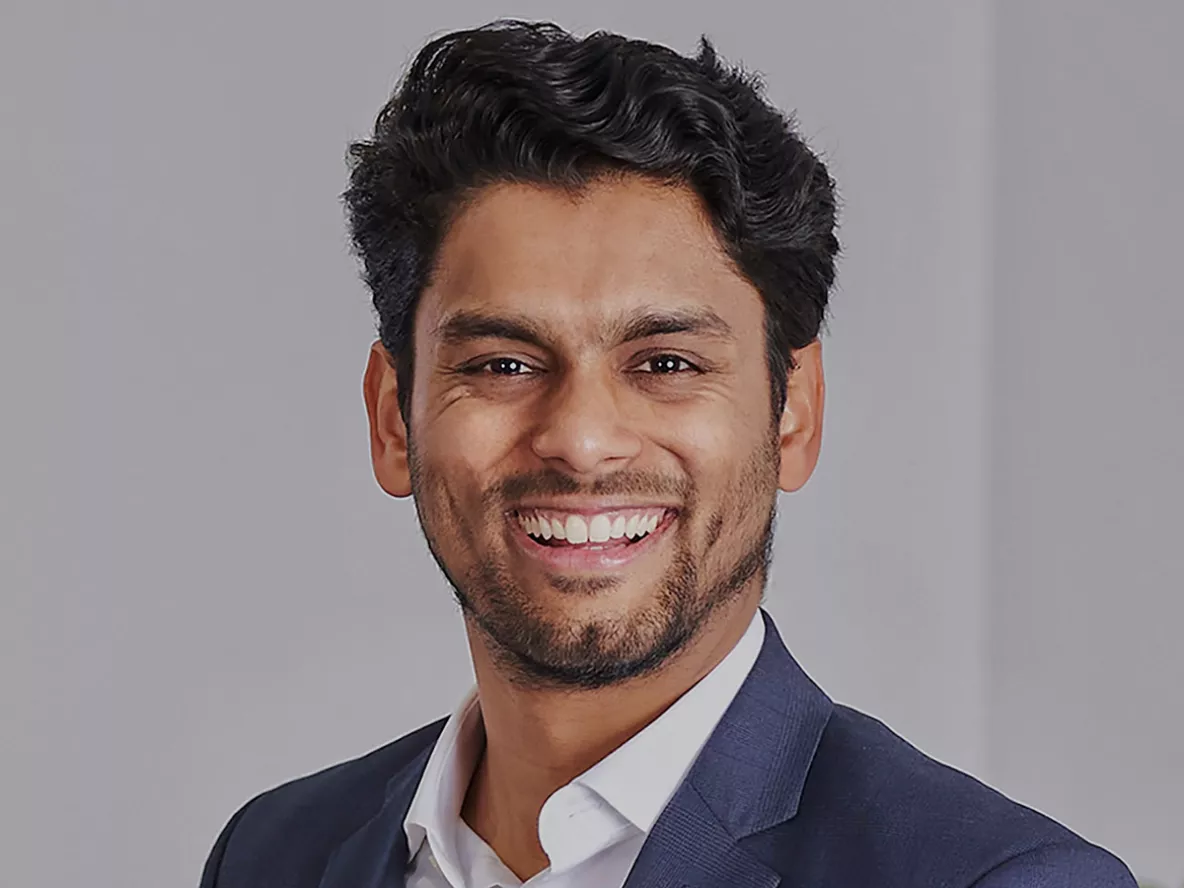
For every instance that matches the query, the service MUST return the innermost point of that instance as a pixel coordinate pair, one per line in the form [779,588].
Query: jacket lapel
[689,848]
[375,856]
[748,778]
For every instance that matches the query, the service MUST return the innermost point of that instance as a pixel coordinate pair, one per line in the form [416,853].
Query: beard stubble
[529,646]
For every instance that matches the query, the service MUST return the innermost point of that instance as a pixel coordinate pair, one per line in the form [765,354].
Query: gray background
[205,593]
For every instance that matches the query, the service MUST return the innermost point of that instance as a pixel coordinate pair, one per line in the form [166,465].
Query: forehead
[619,245]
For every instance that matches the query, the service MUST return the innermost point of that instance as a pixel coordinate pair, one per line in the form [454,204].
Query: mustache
[548,482]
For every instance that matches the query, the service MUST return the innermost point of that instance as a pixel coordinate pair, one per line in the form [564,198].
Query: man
[600,270]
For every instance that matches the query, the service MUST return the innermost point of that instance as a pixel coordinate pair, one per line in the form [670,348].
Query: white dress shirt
[592,828]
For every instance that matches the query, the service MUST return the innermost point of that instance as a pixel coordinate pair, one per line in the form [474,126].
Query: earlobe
[800,428]
[388,433]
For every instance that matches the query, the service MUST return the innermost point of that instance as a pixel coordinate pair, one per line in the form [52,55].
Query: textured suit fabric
[791,790]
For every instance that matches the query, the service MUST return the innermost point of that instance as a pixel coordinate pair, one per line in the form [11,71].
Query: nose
[581,425]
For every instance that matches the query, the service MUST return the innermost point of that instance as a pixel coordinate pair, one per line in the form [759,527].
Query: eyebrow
[468,324]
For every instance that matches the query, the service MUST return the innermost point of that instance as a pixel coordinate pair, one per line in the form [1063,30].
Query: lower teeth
[555,542]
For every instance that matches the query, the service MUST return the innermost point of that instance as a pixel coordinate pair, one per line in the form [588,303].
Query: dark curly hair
[527,102]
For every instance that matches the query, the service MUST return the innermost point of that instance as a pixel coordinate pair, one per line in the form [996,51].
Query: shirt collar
[637,779]
[435,807]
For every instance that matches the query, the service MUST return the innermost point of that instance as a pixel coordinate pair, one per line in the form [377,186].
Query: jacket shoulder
[904,818]
[284,836]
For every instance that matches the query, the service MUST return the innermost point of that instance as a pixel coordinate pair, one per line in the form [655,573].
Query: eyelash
[478,369]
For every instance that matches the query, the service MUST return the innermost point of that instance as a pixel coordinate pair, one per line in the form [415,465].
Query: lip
[574,559]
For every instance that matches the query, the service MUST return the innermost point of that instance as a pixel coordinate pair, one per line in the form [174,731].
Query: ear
[388,433]
[801,421]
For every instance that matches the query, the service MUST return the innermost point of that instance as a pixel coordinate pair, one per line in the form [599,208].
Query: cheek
[735,484]
[467,443]
[711,445]
[464,455]
[720,426]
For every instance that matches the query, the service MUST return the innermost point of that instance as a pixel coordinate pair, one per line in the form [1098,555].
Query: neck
[539,739]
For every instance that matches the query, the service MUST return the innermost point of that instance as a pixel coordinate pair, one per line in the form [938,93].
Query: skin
[570,665]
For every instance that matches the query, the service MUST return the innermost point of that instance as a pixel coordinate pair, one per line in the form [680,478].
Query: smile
[603,541]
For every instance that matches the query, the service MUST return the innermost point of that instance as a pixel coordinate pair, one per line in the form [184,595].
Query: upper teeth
[577,529]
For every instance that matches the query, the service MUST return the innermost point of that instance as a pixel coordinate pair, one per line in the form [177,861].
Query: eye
[668,365]
[500,367]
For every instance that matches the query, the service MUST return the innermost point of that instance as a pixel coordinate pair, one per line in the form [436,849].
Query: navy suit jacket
[791,790]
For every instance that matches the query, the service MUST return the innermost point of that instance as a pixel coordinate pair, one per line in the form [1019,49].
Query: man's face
[590,369]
